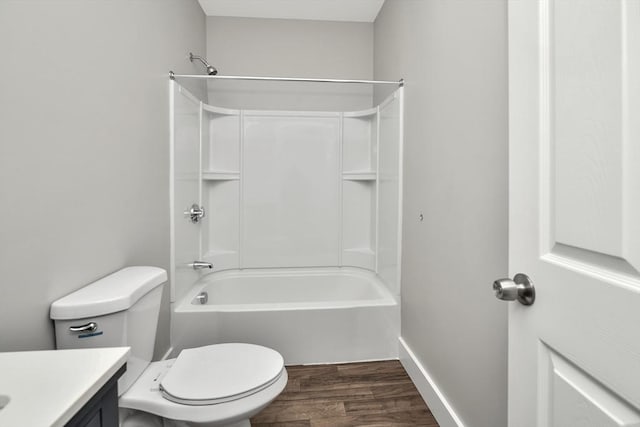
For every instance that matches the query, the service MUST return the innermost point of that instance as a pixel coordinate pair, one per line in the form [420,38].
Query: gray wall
[453,55]
[290,48]
[281,47]
[84,148]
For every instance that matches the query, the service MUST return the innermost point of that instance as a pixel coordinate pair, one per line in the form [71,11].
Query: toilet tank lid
[115,292]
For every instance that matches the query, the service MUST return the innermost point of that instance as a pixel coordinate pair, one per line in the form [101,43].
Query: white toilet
[215,385]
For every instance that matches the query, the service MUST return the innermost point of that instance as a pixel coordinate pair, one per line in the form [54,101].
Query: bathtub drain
[202,297]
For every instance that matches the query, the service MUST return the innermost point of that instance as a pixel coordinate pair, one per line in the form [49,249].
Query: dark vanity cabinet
[102,409]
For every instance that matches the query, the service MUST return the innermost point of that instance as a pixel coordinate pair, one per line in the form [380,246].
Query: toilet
[215,385]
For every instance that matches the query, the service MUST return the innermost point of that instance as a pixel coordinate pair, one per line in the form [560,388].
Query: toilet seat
[220,373]
[145,395]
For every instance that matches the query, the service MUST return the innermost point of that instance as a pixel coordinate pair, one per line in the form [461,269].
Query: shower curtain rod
[173,76]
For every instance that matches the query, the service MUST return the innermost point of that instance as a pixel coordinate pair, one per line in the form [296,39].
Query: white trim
[389,99]
[341,191]
[241,192]
[377,183]
[191,97]
[400,93]
[433,397]
[290,113]
[174,76]
[173,86]
[201,160]
[167,354]
[361,113]
[220,110]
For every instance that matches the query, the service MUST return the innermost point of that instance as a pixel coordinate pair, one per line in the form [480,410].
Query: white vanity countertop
[47,388]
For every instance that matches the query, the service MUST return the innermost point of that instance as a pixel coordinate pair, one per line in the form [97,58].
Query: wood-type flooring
[350,394]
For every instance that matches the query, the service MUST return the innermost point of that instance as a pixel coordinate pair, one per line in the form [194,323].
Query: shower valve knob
[195,213]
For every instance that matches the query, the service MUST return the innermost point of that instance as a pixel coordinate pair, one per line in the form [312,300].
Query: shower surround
[299,205]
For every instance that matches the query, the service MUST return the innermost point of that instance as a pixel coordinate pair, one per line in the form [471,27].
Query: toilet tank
[120,309]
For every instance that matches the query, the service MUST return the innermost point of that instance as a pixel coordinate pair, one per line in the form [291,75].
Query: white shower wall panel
[290,190]
[389,193]
[185,185]
[284,189]
[290,96]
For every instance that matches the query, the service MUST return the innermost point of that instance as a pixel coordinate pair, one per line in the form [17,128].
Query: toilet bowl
[215,385]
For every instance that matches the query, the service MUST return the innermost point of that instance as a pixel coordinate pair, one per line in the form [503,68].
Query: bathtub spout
[197,265]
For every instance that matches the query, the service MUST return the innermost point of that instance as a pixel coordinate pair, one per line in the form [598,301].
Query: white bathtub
[321,315]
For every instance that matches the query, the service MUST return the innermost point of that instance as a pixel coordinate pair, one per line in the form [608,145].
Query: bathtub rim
[184,304]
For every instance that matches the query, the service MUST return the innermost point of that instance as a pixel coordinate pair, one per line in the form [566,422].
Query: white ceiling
[322,10]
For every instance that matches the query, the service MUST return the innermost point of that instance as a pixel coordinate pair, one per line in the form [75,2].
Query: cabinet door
[102,409]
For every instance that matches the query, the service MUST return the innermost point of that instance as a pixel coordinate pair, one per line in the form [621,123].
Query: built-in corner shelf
[359,176]
[220,175]
[220,110]
[362,113]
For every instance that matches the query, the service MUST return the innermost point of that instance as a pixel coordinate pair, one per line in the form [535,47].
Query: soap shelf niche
[359,176]
[359,187]
[220,176]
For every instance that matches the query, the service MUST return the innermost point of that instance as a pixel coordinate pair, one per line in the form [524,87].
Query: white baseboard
[433,397]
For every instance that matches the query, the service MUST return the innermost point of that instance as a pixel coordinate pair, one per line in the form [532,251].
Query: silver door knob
[520,288]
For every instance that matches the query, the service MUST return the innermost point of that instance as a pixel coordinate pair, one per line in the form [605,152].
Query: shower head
[211,70]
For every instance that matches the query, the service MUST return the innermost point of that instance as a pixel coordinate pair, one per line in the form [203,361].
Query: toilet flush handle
[89,327]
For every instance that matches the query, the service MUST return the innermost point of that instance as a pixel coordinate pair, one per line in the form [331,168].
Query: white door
[574,355]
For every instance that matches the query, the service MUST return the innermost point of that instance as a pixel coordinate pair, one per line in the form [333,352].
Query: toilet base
[133,418]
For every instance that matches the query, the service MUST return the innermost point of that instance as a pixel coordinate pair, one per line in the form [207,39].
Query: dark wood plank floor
[351,394]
